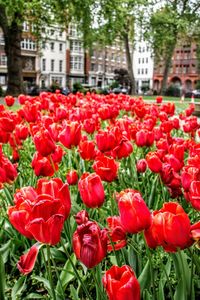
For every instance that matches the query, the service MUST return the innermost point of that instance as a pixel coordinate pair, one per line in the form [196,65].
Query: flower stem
[151,266]
[75,271]
[50,272]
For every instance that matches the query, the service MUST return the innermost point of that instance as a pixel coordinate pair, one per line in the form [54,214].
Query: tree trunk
[167,66]
[129,65]
[12,37]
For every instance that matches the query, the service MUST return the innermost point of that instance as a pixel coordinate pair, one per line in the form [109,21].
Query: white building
[143,66]
[52,62]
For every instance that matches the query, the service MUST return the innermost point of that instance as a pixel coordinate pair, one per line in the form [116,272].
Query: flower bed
[100,198]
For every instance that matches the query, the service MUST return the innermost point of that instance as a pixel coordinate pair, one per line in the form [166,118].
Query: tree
[117,21]
[122,76]
[170,24]
[41,13]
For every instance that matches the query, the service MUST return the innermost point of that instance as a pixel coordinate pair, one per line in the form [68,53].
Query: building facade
[143,66]
[103,62]
[52,58]
[184,72]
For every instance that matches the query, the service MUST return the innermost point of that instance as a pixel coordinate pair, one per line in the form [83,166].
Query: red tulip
[134,213]
[116,234]
[105,140]
[9,100]
[70,135]
[43,142]
[123,149]
[195,232]
[72,177]
[27,261]
[43,165]
[167,221]
[87,150]
[154,162]
[120,283]
[82,217]
[40,213]
[106,168]
[90,244]
[91,190]
[141,165]
[194,194]
[159,99]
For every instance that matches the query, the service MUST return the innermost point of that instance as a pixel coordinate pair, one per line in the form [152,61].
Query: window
[76,63]
[60,33]
[43,64]
[93,67]
[2,42]
[25,26]
[146,59]
[143,60]
[60,47]
[100,68]
[52,46]
[140,49]
[146,71]
[43,45]
[28,44]
[60,65]
[139,60]
[138,71]
[2,79]
[52,65]
[3,60]
[52,32]
[72,30]
[57,80]
[76,46]
[142,71]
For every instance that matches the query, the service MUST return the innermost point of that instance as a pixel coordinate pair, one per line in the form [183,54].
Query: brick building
[184,71]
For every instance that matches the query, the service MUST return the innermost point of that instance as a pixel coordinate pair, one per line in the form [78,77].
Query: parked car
[120,90]
[196,93]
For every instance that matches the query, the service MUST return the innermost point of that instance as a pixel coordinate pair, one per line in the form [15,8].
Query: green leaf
[4,251]
[144,278]
[66,275]
[2,279]
[33,296]
[74,293]
[44,281]
[18,287]
[180,291]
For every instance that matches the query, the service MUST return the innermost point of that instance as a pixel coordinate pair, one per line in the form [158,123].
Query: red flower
[194,194]
[43,165]
[70,135]
[144,138]
[117,234]
[170,228]
[134,213]
[123,149]
[43,142]
[106,168]
[82,217]
[141,165]
[120,283]
[154,162]
[90,244]
[27,261]
[87,150]
[72,177]
[91,190]
[159,99]
[105,140]
[40,213]
[195,232]
[9,100]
